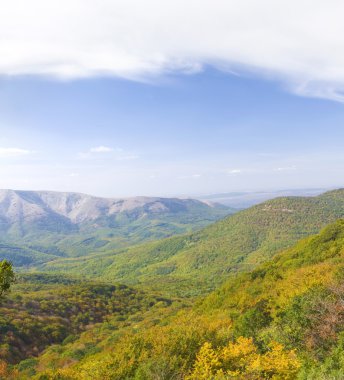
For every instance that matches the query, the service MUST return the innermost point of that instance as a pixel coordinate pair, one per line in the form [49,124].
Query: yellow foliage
[3,368]
[237,357]
[278,363]
[156,352]
[207,363]
[241,360]
[6,373]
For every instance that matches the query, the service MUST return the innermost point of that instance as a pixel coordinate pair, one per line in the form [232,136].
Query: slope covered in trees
[196,263]
[283,320]
[42,310]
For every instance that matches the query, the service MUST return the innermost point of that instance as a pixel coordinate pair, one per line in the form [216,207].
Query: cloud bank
[299,42]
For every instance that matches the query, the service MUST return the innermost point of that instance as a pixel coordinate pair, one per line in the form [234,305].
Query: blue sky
[185,134]
[177,114]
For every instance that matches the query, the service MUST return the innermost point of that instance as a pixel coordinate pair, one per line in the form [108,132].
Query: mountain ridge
[75,224]
[203,259]
[80,207]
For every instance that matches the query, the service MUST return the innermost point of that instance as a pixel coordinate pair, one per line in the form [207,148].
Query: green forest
[257,295]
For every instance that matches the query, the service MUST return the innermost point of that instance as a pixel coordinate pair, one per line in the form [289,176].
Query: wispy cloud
[234,171]
[14,152]
[298,41]
[101,149]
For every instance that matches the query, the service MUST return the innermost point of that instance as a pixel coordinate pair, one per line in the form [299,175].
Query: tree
[7,276]
[207,364]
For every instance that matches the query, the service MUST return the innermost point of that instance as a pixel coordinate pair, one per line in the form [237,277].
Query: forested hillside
[40,226]
[196,263]
[43,310]
[283,320]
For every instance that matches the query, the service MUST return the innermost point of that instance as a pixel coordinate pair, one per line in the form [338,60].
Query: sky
[124,98]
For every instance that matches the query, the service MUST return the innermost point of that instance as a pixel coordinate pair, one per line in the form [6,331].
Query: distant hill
[25,256]
[72,224]
[197,262]
[25,211]
[245,199]
[316,260]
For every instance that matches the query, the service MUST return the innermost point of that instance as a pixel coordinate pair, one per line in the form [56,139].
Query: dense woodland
[280,318]
[44,310]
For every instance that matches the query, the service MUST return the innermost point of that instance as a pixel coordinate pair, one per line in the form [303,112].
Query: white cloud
[13,152]
[101,149]
[297,41]
[234,171]
[116,153]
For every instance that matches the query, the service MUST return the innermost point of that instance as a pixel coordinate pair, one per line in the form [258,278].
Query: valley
[261,284]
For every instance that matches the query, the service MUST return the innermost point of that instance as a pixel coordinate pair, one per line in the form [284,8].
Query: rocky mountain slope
[29,206]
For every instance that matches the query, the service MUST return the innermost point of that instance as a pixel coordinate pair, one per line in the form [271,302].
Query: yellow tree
[207,364]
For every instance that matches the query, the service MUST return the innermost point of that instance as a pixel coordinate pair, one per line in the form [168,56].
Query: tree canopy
[7,276]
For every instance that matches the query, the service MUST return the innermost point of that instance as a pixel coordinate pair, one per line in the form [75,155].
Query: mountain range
[40,225]
[197,262]
[245,199]
[57,211]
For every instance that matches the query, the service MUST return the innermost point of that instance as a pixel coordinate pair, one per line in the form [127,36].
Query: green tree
[252,321]
[7,276]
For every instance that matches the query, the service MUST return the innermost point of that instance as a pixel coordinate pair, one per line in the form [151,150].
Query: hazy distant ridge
[17,205]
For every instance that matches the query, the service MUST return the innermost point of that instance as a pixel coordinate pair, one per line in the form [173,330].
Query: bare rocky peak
[17,205]
[15,208]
